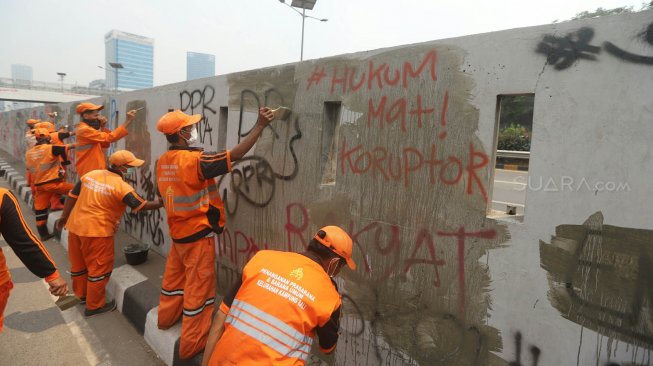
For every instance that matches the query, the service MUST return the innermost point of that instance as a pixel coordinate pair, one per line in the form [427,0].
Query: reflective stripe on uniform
[172,292]
[190,199]
[269,330]
[47,166]
[265,339]
[75,274]
[204,201]
[99,278]
[194,312]
[83,147]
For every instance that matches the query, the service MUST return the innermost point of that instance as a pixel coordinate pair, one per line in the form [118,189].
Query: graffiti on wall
[198,101]
[562,52]
[409,110]
[601,277]
[145,225]
[254,177]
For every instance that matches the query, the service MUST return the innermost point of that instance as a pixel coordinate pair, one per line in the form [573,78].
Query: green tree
[599,12]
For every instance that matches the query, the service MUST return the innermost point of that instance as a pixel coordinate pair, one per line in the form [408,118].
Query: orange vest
[42,165]
[193,204]
[55,140]
[90,142]
[99,205]
[283,298]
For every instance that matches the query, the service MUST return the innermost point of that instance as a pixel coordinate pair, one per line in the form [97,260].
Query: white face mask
[333,267]
[193,137]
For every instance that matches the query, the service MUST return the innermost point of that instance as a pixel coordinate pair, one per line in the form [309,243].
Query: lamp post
[61,76]
[303,4]
[116,66]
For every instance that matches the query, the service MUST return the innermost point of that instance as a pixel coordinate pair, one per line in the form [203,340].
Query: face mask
[95,123]
[193,137]
[129,173]
[333,267]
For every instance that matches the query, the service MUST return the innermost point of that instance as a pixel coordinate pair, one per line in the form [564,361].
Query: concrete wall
[406,166]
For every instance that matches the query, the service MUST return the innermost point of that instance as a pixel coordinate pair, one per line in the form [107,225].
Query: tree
[599,12]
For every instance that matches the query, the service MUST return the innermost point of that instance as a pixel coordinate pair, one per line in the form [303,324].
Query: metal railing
[513,154]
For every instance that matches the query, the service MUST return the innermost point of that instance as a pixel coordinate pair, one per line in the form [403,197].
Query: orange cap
[338,241]
[47,125]
[41,132]
[174,121]
[124,157]
[86,106]
[32,122]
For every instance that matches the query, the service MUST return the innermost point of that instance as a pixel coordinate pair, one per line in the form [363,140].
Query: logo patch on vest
[297,273]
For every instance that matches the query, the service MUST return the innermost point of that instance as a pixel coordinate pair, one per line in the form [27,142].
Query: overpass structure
[43,92]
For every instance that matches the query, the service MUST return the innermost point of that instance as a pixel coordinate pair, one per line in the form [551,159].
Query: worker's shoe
[43,233]
[82,300]
[110,306]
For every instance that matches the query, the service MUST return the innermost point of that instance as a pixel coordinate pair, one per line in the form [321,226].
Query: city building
[199,65]
[129,60]
[22,74]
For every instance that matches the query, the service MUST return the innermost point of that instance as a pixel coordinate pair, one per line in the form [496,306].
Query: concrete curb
[136,298]
[522,168]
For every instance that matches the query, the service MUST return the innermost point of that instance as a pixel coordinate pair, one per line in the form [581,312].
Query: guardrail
[513,154]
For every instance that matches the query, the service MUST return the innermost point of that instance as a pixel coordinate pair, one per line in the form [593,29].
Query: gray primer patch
[601,277]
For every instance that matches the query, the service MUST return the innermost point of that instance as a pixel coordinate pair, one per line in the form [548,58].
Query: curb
[522,168]
[136,298]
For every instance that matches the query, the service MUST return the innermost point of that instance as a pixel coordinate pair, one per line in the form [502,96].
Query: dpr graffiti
[198,100]
[253,178]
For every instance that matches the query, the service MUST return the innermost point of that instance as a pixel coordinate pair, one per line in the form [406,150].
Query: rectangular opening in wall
[513,133]
[222,128]
[329,148]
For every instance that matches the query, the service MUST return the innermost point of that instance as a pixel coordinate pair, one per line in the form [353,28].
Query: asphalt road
[509,189]
[36,332]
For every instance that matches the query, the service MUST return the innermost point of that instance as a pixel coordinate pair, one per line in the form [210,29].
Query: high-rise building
[136,56]
[199,65]
[22,74]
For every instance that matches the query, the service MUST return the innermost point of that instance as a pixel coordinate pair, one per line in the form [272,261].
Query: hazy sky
[68,36]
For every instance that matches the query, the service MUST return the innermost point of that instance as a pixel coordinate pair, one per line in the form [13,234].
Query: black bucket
[136,253]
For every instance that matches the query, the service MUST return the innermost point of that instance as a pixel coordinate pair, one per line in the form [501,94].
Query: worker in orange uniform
[93,136]
[29,136]
[91,214]
[28,249]
[45,170]
[271,315]
[186,180]
[56,139]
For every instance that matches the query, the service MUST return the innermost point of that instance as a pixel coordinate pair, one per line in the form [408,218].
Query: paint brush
[66,302]
[138,109]
[281,113]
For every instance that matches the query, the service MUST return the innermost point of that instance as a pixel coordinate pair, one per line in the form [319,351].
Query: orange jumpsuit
[24,243]
[44,170]
[273,313]
[90,142]
[102,197]
[186,181]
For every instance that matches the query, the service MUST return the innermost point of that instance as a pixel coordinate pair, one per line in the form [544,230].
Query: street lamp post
[61,76]
[303,4]
[116,66]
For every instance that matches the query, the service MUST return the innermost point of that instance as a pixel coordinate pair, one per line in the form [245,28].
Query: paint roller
[282,113]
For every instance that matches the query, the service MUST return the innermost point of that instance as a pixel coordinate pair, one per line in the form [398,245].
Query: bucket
[136,253]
